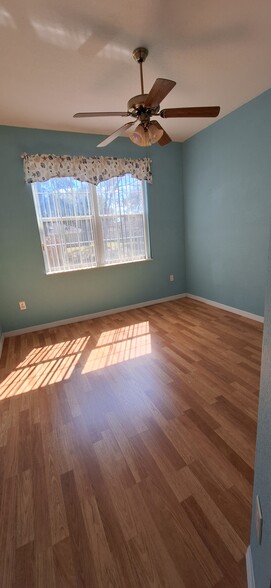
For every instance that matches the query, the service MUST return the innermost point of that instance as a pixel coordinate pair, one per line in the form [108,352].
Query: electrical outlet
[171,278]
[22,305]
[258,520]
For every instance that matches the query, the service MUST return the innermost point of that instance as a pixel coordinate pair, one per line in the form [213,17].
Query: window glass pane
[123,195]
[121,208]
[69,244]
[63,197]
[123,238]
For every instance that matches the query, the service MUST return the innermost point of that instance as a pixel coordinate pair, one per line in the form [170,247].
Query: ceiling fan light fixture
[146,137]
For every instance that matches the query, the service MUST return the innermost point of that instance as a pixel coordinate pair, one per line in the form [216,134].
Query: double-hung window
[84,226]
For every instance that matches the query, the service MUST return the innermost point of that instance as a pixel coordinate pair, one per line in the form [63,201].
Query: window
[84,226]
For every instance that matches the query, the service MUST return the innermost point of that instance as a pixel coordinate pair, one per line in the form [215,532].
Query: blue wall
[261,555]
[227,186]
[61,296]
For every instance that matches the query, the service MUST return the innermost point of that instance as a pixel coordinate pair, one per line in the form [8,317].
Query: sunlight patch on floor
[54,363]
[119,345]
[44,366]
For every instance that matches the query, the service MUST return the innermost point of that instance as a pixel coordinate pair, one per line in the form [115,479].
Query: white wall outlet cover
[258,520]
[22,305]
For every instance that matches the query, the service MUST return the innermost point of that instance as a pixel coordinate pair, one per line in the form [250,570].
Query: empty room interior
[135,294]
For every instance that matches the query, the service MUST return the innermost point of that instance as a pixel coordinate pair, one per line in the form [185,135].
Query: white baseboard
[250,315]
[2,337]
[249,566]
[87,317]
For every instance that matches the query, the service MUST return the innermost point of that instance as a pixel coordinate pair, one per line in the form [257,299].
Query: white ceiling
[63,56]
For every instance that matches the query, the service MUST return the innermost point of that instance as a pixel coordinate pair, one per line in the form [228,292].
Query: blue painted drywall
[227,196]
[261,554]
[61,296]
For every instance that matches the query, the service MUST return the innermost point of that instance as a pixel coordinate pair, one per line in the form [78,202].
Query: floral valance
[40,168]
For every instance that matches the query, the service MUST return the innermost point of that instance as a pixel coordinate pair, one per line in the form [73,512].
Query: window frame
[95,220]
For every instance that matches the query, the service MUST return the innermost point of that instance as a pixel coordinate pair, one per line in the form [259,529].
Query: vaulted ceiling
[63,56]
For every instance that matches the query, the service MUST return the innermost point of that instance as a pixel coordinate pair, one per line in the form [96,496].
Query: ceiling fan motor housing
[136,105]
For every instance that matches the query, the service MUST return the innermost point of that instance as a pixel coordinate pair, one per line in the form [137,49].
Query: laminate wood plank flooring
[127,448]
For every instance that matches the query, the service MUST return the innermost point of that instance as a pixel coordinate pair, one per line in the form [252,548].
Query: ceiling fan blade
[158,92]
[193,111]
[92,114]
[117,133]
[165,139]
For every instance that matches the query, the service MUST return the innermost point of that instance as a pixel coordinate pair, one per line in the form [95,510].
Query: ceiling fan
[144,106]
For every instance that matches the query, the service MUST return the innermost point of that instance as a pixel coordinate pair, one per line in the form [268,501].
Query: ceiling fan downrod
[140,55]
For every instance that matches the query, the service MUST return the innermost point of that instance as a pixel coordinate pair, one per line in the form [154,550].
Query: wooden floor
[127,450]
